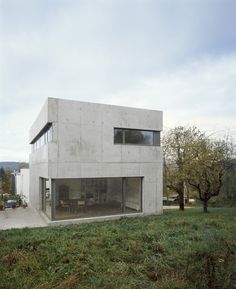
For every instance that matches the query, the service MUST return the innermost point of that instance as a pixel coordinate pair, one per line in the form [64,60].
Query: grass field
[176,250]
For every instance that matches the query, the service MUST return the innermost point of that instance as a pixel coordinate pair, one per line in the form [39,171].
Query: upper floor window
[44,137]
[136,136]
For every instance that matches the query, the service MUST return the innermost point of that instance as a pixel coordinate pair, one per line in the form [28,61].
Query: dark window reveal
[118,137]
[135,136]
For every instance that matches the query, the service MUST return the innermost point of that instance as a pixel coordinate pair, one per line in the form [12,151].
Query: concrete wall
[83,147]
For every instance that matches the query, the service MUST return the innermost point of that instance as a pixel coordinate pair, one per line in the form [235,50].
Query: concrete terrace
[20,218]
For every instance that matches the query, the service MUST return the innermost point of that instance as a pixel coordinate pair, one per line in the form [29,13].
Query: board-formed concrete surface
[20,218]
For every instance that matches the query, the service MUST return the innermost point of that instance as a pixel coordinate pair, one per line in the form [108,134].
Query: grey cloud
[122,52]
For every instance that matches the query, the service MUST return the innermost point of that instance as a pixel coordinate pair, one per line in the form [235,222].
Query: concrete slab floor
[20,218]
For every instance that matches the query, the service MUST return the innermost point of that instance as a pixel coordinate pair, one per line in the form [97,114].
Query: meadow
[176,250]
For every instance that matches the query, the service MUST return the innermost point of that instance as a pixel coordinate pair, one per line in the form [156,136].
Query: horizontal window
[135,136]
[44,137]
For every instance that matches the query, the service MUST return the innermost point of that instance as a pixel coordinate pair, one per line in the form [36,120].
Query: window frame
[156,137]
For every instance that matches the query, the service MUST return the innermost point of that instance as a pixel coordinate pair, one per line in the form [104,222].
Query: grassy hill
[176,250]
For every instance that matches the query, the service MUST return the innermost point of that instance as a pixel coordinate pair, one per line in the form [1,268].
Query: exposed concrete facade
[83,147]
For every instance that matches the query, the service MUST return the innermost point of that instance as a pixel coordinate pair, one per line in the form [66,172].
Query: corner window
[137,137]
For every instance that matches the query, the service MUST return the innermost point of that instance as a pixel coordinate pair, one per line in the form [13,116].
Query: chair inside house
[81,205]
[64,205]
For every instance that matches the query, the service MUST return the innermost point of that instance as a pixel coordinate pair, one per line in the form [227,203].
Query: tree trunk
[205,206]
[181,205]
[181,198]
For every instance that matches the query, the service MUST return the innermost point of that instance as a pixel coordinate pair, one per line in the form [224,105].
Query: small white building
[22,183]
[94,161]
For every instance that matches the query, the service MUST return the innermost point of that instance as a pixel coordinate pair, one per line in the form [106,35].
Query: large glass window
[80,198]
[135,136]
[133,193]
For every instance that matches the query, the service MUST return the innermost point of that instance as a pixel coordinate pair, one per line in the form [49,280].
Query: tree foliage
[5,181]
[178,154]
[192,158]
[208,168]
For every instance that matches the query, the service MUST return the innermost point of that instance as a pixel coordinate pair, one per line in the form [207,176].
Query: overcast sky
[178,56]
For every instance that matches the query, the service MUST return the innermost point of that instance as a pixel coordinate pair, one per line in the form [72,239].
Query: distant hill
[13,165]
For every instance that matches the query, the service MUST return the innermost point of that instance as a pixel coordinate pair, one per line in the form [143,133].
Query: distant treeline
[13,165]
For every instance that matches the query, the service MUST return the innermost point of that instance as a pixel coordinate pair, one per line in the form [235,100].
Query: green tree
[191,158]
[178,147]
[6,181]
[208,168]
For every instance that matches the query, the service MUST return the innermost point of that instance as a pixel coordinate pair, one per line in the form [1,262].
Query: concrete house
[94,161]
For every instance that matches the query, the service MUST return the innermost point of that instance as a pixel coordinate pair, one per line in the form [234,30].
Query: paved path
[175,207]
[170,207]
[20,218]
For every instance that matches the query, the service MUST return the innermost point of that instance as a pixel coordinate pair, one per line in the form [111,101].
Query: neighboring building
[95,161]
[22,183]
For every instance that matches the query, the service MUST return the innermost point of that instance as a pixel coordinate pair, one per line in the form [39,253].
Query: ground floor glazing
[90,197]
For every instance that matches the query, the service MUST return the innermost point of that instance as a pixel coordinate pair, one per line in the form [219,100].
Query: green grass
[176,250]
